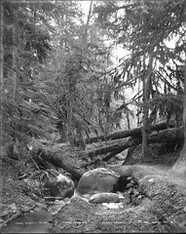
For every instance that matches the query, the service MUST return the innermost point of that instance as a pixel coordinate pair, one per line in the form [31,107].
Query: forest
[99,88]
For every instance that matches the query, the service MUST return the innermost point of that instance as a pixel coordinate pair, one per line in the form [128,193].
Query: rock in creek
[96,181]
[104,198]
[59,187]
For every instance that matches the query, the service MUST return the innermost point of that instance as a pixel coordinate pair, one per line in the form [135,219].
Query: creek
[36,221]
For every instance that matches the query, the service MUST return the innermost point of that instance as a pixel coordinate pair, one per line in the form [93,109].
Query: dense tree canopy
[58,72]
[144,29]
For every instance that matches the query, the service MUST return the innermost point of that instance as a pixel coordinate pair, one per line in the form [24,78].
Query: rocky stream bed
[156,204]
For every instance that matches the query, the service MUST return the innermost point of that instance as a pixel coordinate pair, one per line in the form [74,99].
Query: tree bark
[128,121]
[87,23]
[14,57]
[146,96]
[138,108]
[1,75]
[136,132]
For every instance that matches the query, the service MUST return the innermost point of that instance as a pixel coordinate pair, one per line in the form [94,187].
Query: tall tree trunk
[87,23]
[138,108]
[180,164]
[14,57]
[69,105]
[128,121]
[146,96]
[1,78]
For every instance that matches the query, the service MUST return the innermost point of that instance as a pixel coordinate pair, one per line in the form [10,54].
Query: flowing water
[33,222]
[37,221]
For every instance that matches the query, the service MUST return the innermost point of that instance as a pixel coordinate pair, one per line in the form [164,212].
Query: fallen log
[119,149]
[45,157]
[168,135]
[107,149]
[56,160]
[136,132]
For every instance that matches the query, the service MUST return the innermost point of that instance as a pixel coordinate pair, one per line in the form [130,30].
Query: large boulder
[97,181]
[59,187]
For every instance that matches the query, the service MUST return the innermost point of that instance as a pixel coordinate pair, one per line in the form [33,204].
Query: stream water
[33,222]
[36,221]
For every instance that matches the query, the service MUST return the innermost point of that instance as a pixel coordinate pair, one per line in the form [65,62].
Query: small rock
[104,198]
[135,192]
[151,180]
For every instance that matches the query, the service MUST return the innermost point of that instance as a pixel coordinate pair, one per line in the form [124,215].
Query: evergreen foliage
[59,75]
[26,46]
[142,28]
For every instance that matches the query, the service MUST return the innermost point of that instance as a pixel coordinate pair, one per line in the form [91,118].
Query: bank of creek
[141,213]
[155,201]
[79,215]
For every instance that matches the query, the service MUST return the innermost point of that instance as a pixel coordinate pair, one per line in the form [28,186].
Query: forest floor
[82,216]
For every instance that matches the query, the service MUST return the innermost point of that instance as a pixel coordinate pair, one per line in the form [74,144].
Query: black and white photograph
[92,116]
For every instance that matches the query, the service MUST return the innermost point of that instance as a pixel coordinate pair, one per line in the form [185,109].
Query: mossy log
[169,135]
[55,158]
[128,133]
